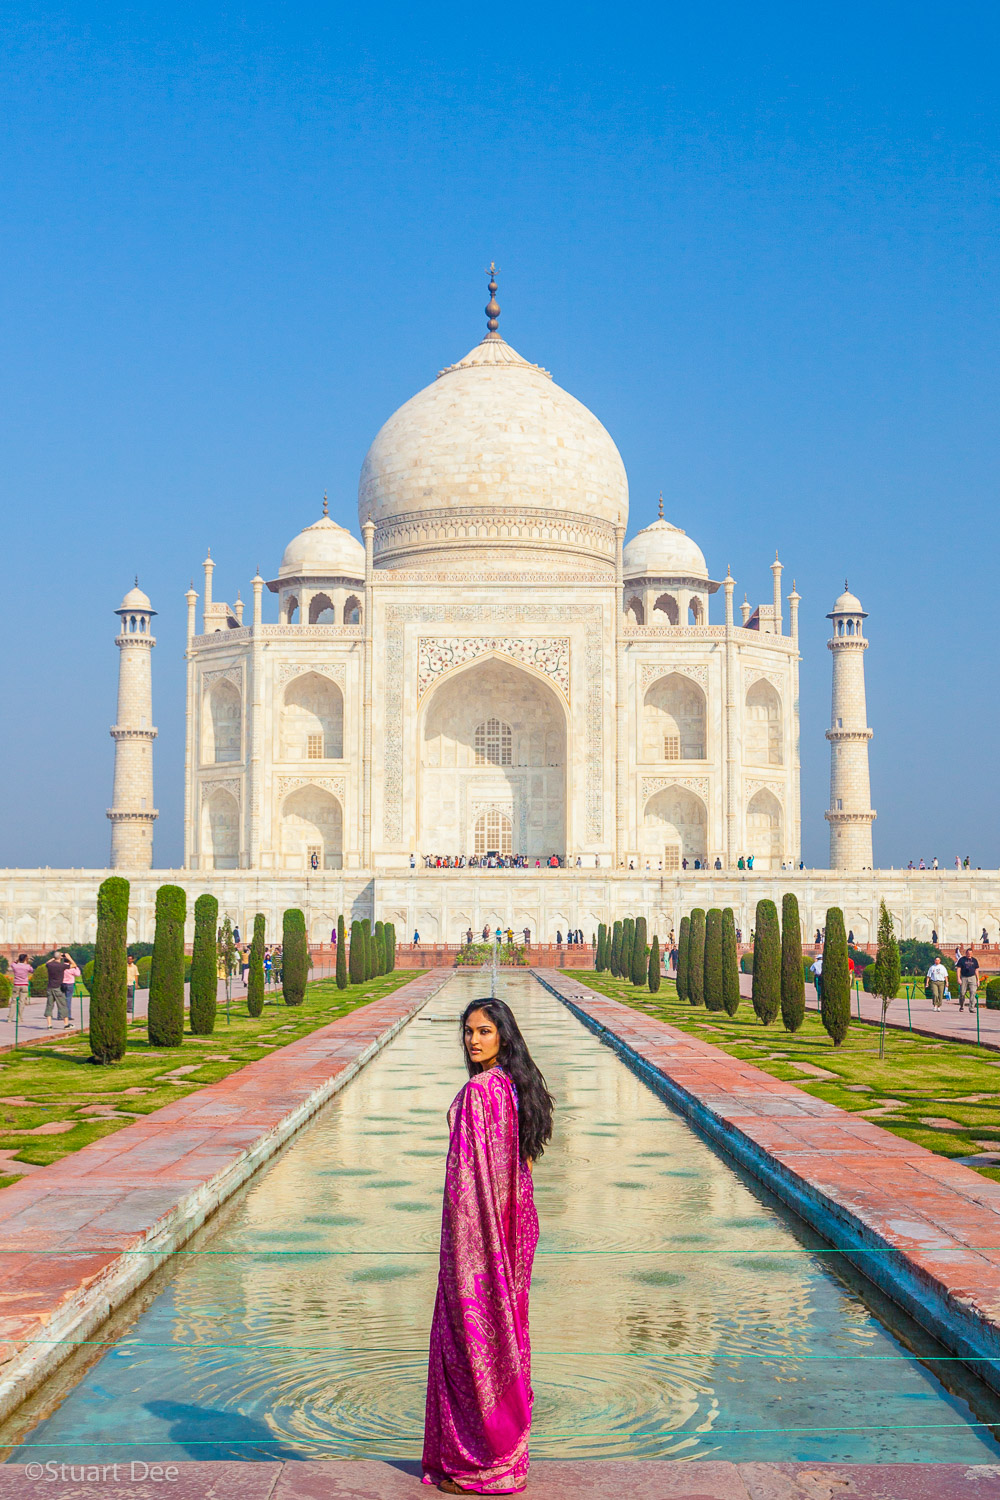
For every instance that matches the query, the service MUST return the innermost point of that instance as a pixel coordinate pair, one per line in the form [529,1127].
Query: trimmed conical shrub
[628,937]
[255,973]
[766,963]
[696,958]
[341,954]
[109,986]
[835,1004]
[616,950]
[295,956]
[204,966]
[165,1016]
[390,947]
[730,964]
[369,936]
[358,960]
[683,949]
[602,933]
[713,959]
[793,986]
[653,971]
[379,947]
[640,953]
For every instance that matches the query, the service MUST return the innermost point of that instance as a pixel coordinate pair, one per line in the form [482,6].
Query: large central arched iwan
[492,745]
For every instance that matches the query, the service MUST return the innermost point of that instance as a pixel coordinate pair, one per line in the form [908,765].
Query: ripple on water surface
[676,1312]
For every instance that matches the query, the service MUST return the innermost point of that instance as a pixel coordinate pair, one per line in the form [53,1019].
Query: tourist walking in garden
[131,980]
[937,978]
[479,1396]
[816,970]
[20,973]
[968,977]
[70,975]
[55,1000]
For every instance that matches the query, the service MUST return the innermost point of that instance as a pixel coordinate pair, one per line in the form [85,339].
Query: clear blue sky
[760,242]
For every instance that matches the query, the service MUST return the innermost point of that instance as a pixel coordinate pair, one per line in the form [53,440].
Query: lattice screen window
[314,749]
[671,747]
[493,745]
[671,857]
[493,834]
[314,857]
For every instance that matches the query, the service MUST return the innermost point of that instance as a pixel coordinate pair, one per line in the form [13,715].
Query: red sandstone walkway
[368,1479]
[64,1230]
[858,1184]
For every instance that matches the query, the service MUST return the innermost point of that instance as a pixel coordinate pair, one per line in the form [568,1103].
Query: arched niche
[290,610]
[352,610]
[634,609]
[492,736]
[674,720]
[312,719]
[321,610]
[222,723]
[667,605]
[312,830]
[493,833]
[696,610]
[764,728]
[765,833]
[675,827]
[220,831]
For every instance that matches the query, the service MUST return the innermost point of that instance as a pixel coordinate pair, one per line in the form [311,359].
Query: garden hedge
[766,993]
[295,967]
[993,994]
[653,971]
[255,973]
[793,982]
[356,961]
[696,958]
[713,960]
[683,949]
[640,953]
[730,969]
[615,964]
[109,995]
[204,967]
[165,1014]
[342,977]
[835,1005]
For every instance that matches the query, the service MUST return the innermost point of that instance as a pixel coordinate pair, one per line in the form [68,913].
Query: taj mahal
[492,674]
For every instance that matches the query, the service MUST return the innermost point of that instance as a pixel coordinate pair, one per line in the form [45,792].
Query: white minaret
[850,816]
[132,813]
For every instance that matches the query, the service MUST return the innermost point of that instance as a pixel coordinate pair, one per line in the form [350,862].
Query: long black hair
[534,1102]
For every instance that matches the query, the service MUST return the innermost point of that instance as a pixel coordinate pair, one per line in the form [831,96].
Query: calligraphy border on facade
[549,655]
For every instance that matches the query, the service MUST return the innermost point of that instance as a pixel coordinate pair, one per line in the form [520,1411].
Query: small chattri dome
[664,551]
[847,604]
[136,599]
[323,550]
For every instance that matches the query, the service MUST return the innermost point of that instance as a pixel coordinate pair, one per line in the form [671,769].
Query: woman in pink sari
[479,1376]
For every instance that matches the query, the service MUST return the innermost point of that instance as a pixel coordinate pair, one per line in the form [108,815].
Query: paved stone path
[369,1479]
[66,1230]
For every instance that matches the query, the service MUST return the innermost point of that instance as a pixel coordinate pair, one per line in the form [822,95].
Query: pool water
[676,1310]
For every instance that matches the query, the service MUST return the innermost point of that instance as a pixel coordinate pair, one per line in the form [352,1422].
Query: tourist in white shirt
[937,978]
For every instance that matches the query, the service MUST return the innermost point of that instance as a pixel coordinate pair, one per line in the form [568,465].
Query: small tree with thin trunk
[616,950]
[835,1004]
[766,990]
[793,985]
[683,948]
[255,973]
[358,959]
[640,953]
[713,959]
[730,964]
[204,966]
[342,980]
[885,971]
[227,957]
[295,969]
[109,986]
[165,1016]
[696,958]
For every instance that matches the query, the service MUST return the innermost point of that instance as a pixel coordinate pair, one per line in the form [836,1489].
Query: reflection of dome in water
[493,465]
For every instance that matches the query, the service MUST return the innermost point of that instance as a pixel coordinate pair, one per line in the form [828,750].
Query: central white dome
[494,467]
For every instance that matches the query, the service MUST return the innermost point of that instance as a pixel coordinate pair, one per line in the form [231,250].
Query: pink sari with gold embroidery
[479,1376]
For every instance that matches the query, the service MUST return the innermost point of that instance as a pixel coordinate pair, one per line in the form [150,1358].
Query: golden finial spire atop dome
[326,504]
[661,506]
[492,308]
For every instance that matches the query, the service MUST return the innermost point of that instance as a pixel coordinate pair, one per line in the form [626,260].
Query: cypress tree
[730,964]
[835,1004]
[389,945]
[109,986]
[640,953]
[628,937]
[356,965]
[683,948]
[696,958]
[204,966]
[713,959]
[599,963]
[885,971]
[766,963]
[793,985]
[615,964]
[368,948]
[255,975]
[653,972]
[379,947]
[165,1016]
[295,956]
[341,953]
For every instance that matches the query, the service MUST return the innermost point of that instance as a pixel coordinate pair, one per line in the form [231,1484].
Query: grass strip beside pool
[54,1100]
[939,1094]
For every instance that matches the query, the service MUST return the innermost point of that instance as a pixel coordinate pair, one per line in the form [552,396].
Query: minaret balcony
[120,732]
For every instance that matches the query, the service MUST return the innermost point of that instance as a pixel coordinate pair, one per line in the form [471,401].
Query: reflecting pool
[677,1312]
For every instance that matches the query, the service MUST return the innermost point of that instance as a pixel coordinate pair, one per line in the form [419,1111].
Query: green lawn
[42,1086]
[941,1094]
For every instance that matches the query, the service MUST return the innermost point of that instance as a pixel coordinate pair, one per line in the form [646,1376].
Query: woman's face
[482,1040]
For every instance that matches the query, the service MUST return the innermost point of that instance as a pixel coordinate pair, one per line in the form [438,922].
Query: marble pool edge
[915,1277]
[79,1311]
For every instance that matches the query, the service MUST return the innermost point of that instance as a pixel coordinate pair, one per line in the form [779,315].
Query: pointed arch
[765,830]
[674,720]
[222,723]
[312,719]
[675,827]
[764,732]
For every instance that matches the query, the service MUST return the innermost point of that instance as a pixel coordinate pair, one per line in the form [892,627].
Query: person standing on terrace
[479,1396]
